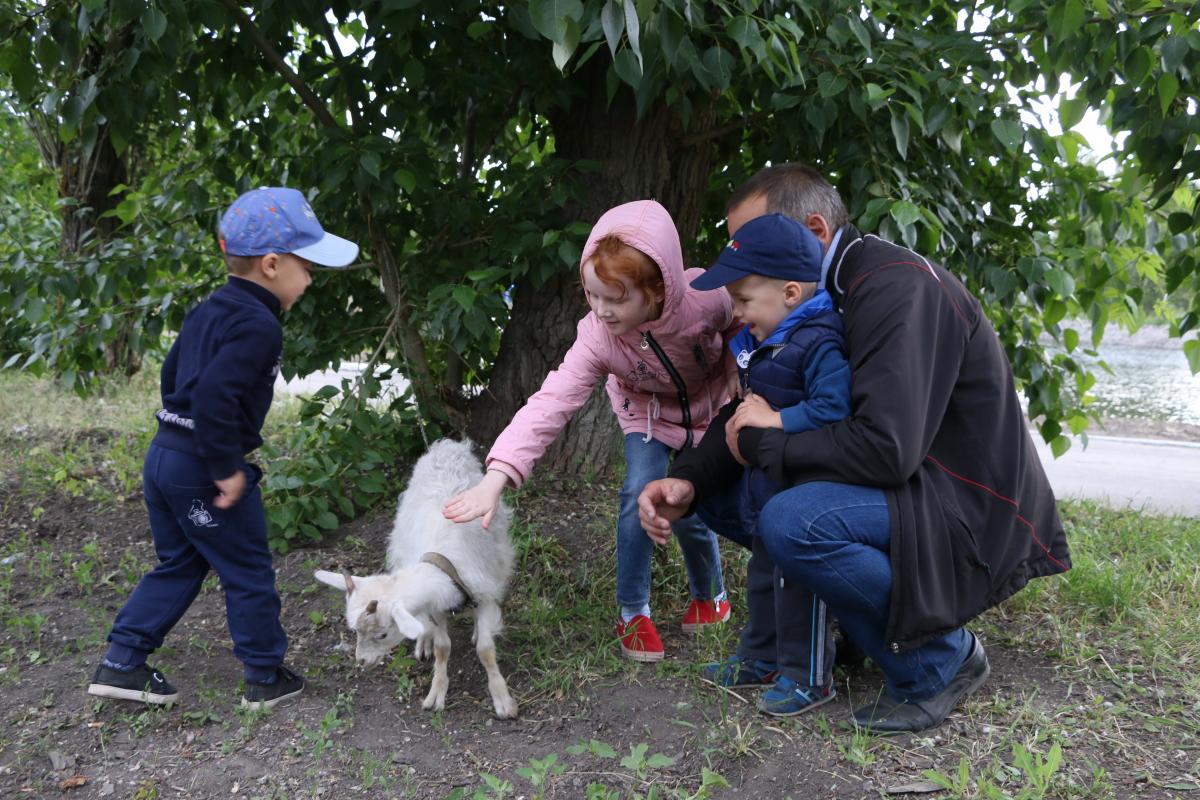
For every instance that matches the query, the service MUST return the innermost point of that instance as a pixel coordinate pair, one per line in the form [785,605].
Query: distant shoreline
[1146,429]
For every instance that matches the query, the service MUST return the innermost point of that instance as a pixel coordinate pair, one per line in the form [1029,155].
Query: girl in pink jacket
[661,345]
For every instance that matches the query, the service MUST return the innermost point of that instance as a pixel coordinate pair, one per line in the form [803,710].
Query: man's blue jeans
[835,538]
[645,462]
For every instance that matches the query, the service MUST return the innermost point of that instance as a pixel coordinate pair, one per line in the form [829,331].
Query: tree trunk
[639,159]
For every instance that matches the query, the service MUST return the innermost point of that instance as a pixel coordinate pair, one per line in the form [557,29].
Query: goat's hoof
[506,707]
[432,703]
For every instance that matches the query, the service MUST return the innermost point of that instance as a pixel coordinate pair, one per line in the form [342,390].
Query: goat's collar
[444,564]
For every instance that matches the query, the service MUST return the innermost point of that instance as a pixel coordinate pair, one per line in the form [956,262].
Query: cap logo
[733,245]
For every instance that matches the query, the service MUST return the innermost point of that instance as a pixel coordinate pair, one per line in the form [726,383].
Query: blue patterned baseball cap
[278,220]
[773,246]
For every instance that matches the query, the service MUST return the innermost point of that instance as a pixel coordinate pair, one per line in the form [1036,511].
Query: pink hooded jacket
[666,380]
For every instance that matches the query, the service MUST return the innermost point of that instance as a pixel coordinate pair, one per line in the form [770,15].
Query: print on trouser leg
[191,535]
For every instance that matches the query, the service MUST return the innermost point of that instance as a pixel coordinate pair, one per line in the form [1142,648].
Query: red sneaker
[639,639]
[701,613]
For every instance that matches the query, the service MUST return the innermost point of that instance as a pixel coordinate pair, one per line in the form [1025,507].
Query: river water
[1150,378]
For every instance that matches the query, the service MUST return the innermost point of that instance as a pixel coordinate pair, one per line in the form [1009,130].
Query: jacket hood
[646,225]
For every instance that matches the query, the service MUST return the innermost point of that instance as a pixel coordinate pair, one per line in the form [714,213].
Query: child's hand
[230,490]
[481,500]
[754,412]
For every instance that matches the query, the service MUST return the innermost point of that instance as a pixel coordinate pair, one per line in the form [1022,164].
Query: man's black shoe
[142,683]
[886,715]
[267,695]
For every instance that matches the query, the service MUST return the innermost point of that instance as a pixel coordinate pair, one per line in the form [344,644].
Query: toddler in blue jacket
[794,375]
[202,495]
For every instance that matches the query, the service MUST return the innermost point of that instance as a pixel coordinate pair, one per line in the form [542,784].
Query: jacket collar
[743,342]
[254,290]
[845,264]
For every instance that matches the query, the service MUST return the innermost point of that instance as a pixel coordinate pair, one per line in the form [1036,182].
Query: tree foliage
[469,146]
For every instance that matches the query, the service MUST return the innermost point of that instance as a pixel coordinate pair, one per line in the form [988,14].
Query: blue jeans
[645,462]
[835,539]
[191,536]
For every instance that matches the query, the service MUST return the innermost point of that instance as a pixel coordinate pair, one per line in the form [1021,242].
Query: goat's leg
[488,623]
[436,699]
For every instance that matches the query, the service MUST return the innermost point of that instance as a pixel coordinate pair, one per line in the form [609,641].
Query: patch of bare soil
[365,734]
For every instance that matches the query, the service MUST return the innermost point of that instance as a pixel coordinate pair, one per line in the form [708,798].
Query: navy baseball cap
[773,246]
[278,220]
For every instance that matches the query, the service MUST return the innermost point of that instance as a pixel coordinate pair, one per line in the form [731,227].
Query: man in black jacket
[923,508]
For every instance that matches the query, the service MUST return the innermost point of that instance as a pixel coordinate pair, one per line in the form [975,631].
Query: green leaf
[1168,87]
[464,296]
[905,213]
[1009,132]
[550,17]
[564,49]
[744,31]
[860,32]
[327,520]
[1174,49]
[1179,222]
[1058,446]
[1065,19]
[1191,349]
[627,67]
[612,19]
[720,64]
[900,133]
[1137,65]
[479,28]
[876,94]
[370,162]
[1071,339]
[1071,111]
[154,22]
[1062,283]
[633,30]
[830,84]
[404,179]
[952,136]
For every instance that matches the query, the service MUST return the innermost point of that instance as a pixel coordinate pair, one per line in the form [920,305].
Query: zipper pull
[645,340]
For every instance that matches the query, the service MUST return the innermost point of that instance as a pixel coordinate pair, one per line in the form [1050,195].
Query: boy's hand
[754,412]
[481,500]
[230,489]
[662,502]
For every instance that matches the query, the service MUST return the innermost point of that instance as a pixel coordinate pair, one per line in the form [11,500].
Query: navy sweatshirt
[219,377]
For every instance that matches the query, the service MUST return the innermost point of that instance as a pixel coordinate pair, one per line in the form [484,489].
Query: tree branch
[276,61]
[715,133]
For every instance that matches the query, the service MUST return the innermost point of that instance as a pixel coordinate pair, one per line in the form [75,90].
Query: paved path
[1157,475]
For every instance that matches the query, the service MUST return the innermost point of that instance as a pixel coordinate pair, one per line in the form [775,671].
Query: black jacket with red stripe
[935,421]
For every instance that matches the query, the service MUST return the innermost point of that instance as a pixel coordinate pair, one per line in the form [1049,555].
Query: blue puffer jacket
[805,347]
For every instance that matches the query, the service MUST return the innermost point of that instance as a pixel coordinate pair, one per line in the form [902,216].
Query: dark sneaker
[734,672]
[887,715]
[788,698]
[267,695]
[143,684]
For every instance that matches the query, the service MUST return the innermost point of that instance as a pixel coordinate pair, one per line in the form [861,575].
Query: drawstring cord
[651,415]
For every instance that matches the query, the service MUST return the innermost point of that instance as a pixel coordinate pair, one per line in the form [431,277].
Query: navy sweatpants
[191,536]
[787,624]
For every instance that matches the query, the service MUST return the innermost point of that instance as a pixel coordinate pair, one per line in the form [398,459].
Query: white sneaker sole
[141,696]
[641,655]
[258,705]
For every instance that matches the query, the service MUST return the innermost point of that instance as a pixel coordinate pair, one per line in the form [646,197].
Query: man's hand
[230,490]
[481,500]
[662,502]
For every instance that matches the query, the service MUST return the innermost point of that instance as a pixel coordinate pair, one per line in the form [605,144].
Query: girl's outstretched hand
[481,500]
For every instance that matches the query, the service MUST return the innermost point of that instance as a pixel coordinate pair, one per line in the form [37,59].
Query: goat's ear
[333,579]
[372,607]
[409,626]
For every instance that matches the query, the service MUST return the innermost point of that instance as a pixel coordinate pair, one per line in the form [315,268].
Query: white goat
[414,599]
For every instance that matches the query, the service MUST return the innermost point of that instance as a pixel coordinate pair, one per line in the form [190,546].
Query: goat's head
[374,613]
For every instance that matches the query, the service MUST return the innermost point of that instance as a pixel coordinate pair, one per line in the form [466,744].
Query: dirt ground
[614,729]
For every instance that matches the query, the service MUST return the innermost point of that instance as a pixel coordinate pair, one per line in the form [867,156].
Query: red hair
[613,260]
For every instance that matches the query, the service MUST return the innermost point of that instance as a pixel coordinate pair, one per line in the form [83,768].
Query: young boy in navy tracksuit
[794,375]
[202,495]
